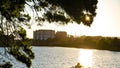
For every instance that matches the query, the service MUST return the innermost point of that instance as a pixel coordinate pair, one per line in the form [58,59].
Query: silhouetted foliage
[22,33]
[6,65]
[54,10]
[75,10]
[20,49]
[78,65]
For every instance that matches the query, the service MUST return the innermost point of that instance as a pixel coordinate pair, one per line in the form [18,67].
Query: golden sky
[106,22]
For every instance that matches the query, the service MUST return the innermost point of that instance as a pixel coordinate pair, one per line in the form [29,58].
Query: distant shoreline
[77,47]
[87,42]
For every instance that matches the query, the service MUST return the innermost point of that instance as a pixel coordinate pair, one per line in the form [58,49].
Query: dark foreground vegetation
[77,66]
[20,49]
[6,65]
[90,42]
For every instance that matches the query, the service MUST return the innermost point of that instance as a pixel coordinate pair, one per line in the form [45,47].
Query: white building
[43,34]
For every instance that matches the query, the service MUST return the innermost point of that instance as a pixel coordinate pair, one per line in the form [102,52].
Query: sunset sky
[106,22]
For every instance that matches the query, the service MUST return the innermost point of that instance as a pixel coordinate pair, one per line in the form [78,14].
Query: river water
[61,57]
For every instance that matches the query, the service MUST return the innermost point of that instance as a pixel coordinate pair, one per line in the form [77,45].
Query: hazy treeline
[92,42]
[98,42]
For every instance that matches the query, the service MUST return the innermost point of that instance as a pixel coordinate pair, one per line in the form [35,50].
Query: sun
[87,18]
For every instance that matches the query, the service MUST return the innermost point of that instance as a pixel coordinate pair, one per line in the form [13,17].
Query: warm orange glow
[85,58]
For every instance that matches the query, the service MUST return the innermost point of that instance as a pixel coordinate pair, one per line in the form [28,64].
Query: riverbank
[87,42]
[116,50]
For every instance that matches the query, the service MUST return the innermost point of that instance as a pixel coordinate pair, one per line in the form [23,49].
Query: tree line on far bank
[91,42]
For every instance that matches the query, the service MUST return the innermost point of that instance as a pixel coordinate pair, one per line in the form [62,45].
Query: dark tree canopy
[53,10]
[13,16]
[76,10]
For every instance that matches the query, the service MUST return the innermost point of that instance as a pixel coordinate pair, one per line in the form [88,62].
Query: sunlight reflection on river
[85,58]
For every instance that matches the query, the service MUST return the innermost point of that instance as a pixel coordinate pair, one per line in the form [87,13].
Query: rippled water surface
[60,57]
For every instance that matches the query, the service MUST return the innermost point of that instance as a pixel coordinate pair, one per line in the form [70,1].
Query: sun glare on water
[85,58]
